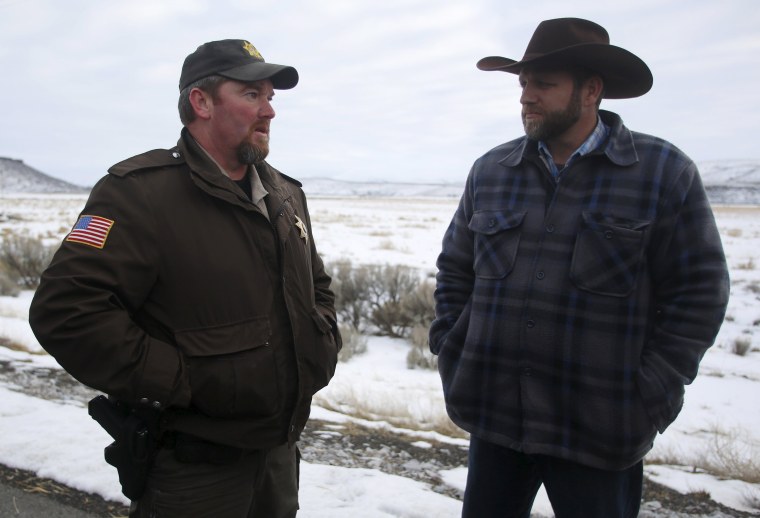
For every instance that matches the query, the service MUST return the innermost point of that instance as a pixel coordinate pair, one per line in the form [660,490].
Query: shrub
[419,355]
[389,286]
[23,259]
[388,300]
[354,343]
[8,286]
[351,288]
[741,345]
[419,303]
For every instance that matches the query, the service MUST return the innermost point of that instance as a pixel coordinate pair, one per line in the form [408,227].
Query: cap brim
[283,77]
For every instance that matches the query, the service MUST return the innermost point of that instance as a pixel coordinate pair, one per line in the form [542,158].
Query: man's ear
[202,103]
[593,90]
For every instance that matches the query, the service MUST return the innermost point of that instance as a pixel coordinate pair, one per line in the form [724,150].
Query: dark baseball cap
[234,59]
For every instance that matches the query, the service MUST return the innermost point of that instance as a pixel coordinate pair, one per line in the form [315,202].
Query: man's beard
[251,154]
[554,124]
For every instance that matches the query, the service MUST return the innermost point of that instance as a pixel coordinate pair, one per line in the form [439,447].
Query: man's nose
[526,96]
[267,110]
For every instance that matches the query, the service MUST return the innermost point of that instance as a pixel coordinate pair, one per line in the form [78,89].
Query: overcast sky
[388,91]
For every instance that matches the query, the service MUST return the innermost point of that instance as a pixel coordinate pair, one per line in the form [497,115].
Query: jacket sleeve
[84,309]
[691,288]
[455,277]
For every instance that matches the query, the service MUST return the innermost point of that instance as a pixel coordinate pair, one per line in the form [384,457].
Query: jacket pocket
[663,399]
[497,236]
[607,255]
[232,369]
[323,355]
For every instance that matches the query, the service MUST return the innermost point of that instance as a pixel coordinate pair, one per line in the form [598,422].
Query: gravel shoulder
[347,444]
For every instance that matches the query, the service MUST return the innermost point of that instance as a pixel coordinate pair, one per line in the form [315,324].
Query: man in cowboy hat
[191,285]
[580,282]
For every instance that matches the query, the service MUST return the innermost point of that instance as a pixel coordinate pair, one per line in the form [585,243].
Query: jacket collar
[209,178]
[619,148]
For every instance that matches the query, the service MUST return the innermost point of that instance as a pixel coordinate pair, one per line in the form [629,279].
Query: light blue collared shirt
[597,137]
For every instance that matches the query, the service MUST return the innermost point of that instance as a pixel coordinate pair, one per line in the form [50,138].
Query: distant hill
[16,177]
[330,187]
[732,182]
[728,182]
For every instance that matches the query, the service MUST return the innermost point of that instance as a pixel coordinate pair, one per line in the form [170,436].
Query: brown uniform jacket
[196,299]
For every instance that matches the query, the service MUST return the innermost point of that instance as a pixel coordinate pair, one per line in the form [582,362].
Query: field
[714,446]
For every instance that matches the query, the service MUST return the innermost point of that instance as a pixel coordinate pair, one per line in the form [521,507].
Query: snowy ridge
[730,172]
[732,182]
[330,187]
[728,182]
[16,177]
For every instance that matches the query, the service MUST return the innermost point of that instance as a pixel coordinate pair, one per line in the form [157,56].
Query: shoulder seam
[148,160]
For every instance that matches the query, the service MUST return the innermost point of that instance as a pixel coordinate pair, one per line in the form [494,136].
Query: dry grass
[386,244]
[734,232]
[397,412]
[12,345]
[731,454]
[749,264]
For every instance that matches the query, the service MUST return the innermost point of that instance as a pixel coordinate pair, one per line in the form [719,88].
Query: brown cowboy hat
[581,42]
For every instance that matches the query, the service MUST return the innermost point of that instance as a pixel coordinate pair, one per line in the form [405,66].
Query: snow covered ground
[720,417]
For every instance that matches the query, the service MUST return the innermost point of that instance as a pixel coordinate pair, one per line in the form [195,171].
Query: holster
[135,434]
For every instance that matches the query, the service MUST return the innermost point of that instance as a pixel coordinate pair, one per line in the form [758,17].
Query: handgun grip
[108,415]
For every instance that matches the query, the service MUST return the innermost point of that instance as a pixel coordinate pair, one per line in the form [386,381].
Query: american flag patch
[91,230]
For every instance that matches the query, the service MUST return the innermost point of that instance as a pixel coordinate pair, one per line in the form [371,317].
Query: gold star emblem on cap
[302,228]
[250,49]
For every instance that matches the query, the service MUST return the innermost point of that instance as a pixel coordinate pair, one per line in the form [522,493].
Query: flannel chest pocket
[497,237]
[608,254]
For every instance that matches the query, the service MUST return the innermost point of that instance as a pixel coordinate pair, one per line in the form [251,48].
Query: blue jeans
[503,483]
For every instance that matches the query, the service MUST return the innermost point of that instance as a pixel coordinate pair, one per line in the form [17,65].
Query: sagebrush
[22,261]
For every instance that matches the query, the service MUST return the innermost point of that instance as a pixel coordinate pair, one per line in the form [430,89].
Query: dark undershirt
[245,184]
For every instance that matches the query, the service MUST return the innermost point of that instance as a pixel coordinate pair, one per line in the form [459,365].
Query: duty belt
[194,450]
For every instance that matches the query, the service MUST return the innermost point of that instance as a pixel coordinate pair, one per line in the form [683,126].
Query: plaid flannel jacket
[570,313]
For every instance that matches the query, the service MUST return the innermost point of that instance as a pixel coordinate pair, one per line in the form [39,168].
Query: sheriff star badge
[304,235]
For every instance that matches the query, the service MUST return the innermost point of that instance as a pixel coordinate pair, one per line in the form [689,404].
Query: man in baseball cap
[235,59]
[191,292]
[579,284]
